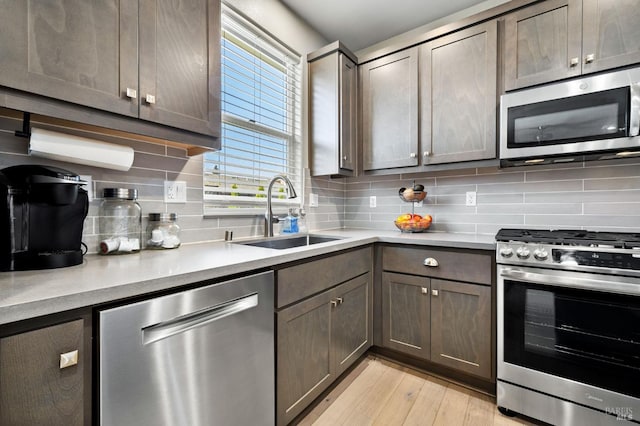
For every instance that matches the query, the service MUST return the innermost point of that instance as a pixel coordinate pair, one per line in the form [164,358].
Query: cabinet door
[303,355]
[406,314]
[390,111]
[347,106]
[179,64]
[85,52]
[458,96]
[610,34]
[34,389]
[461,326]
[351,322]
[542,43]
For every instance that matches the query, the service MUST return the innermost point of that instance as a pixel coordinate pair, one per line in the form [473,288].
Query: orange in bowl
[412,222]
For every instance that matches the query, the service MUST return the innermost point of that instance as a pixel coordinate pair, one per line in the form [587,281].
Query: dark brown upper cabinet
[558,39]
[155,60]
[332,111]
[458,96]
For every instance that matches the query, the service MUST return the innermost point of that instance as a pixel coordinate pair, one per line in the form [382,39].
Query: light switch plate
[471,198]
[313,200]
[175,191]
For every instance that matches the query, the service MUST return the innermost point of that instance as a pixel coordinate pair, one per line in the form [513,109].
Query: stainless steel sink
[289,242]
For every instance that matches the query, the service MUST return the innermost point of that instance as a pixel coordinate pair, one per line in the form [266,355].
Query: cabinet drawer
[300,281]
[456,265]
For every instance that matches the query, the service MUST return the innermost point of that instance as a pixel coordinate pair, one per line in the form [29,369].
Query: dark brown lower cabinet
[40,382]
[461,326]
[446,322]
[317,340]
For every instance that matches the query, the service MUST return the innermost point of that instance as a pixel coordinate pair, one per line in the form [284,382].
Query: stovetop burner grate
[571,237]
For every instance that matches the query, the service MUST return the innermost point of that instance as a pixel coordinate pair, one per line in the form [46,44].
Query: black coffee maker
[41,218]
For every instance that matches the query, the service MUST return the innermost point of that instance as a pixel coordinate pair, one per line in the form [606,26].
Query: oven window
[593,116]
[591,337]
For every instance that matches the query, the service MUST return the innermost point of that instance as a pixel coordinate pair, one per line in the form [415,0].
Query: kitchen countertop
[103,279]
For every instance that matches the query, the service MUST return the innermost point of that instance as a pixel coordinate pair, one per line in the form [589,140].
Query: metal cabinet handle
[430,262]
[424,290]
[412,155]
[345,158]
[340,300]
[426,154]
[589,58]
[434,293]
[132,93]
[334,303]
[574,62]
[150,99]
[68,359]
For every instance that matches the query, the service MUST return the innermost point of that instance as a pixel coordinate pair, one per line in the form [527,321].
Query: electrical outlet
[471,198]
[372,201]
[175,191]
[313,200]
[89,186]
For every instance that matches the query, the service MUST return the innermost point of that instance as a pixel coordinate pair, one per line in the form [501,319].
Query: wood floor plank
[480,411]
[370,405]
[395,411]
[453,409]
[382,393]
[425,409]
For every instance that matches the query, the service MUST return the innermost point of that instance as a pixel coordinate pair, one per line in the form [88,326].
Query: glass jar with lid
[120,222]
[162,231]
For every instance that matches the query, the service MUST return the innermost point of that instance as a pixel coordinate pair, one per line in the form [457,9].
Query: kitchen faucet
[269,220]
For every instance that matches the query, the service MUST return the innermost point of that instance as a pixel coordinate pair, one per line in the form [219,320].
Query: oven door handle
[571,282]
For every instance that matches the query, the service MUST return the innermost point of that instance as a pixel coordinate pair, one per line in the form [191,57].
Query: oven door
[572,335]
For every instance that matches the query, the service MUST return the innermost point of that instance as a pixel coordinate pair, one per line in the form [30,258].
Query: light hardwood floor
[379,392]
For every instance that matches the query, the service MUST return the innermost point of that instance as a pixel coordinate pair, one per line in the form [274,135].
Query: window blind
[261,121]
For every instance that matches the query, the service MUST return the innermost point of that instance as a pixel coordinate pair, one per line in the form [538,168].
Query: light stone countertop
[103,279]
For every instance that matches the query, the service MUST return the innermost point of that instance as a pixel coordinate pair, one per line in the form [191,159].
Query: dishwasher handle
[163,330]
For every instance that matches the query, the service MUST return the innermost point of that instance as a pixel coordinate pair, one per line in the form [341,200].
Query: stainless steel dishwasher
[199,357]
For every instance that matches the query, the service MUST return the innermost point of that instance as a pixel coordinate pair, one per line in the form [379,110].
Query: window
[261,110]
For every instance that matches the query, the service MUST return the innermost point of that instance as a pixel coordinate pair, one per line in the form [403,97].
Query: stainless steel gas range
[569,326]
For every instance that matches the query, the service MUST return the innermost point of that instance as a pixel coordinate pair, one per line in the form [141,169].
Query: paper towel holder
[79,150]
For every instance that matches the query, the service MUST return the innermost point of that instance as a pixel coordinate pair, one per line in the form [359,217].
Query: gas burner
[570,237]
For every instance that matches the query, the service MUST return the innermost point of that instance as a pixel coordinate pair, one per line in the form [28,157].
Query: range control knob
[506,252]
[540,254]
[522,252]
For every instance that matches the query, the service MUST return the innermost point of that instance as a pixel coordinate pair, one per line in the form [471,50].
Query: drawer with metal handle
[460,265]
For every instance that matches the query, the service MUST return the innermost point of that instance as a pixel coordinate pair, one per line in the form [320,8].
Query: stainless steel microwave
[588,118]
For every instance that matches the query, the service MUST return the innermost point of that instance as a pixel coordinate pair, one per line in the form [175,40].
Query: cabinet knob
[424,290]
[334,303]
[150,99]
[430,262]
[132,93]
[339,300]
[434,293]
[426,154]
[589,58]
[574,62]
[412,155]
[345,158]
[68,359]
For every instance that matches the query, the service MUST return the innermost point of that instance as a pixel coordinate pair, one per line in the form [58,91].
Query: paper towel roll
[79,150]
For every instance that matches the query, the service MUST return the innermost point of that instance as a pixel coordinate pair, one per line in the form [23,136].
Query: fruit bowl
[412,194]
[412,223]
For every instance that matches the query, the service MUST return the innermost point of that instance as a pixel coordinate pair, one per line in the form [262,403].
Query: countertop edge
[18,306]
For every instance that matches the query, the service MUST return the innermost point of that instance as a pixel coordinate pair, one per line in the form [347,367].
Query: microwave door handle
[634,122]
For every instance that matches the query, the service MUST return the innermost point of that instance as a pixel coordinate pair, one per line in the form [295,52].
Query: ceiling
[362,23]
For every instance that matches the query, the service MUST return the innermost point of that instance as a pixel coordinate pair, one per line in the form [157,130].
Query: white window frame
[220,200]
